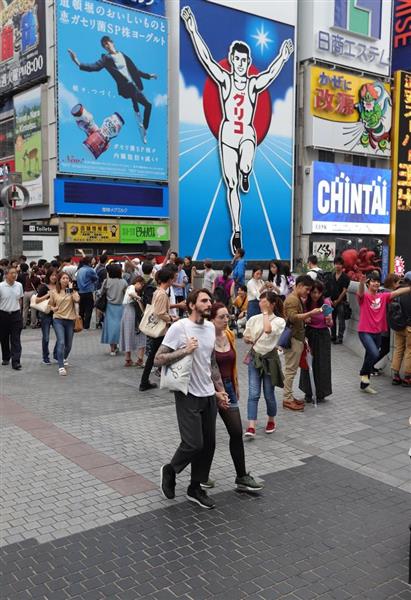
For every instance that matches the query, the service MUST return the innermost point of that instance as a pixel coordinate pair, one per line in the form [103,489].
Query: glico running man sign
[349,199]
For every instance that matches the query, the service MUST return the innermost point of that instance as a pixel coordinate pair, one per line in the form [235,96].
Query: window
[7,137]
[36,245]
[326,156]
[359,161]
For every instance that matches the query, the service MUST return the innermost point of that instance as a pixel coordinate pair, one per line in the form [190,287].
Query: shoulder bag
[285,338]
[78,324]
[42,306]
[248,357]
[151,324]
[176,377]
[101,300]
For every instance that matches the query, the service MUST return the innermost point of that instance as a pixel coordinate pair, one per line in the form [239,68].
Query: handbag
[285,338]
[42,306]
[101,300]
[151,324]
[176,377]
[248,357]
[78,324]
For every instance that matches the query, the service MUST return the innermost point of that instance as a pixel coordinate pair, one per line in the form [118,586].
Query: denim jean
[64,329]
[254,392]
[232,396]
[371,343]
[47,322]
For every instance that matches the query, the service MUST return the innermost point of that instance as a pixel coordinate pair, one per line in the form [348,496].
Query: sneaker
[200,497]
[147,386]
[5,363]
[168,482]
[66,362]
[396,380]
[247,483]
[250,432]
[62,371]
[208,485]
[46,361]
[406,382]
[245,184]
[368,390]
[270,427]
[113,353]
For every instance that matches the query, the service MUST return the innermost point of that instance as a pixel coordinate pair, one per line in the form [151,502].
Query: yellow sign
[93,232]
[338,96]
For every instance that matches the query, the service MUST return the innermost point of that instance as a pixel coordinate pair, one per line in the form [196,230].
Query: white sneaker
[62,371]
[369,390]
[66,362]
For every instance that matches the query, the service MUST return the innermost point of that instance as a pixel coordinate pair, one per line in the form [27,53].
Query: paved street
[82,516]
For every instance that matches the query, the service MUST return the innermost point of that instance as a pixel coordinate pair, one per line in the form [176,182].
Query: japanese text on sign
[403,168]
[338,45]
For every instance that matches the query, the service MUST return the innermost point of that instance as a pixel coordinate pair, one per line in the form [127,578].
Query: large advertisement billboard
[27,148]
[112,91]
[348,199]
[347,113]
[236,133]
[23,48]
[401,37]
[351,33]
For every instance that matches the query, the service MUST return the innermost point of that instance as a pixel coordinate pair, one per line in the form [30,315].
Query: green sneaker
[208,485]
[248,484]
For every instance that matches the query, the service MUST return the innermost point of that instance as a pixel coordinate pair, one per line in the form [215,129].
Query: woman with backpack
[397,318]
[223,287]
[131,339]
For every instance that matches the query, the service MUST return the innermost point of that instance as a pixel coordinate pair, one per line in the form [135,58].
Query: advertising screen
[112,91]
[23,48]
[348,199]
[236,133]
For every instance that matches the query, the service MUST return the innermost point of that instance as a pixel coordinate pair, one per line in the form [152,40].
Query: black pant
[196,421]
[86,308]
[137,98]
[154,345]
[232,422]
[11,325]
[338,317]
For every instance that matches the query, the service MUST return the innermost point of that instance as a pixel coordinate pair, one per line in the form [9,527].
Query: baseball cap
[407,276]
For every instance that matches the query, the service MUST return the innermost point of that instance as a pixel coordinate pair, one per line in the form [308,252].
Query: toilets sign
[348,199]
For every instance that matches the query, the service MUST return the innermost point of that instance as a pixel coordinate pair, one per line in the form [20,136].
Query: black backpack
[148,292]
[397,320]
[221,294]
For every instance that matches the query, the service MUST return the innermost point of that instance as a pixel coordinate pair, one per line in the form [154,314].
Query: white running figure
[238,94]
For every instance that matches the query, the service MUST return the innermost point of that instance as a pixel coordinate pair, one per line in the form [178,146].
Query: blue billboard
[236,133]
[112,91]
[348,199]
[152,6]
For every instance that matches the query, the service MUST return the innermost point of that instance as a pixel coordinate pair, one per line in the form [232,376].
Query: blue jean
[47,322]
[254,392]
[64,329]
[372,344]
[232,396]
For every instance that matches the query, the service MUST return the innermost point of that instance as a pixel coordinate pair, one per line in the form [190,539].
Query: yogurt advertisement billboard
[348,199]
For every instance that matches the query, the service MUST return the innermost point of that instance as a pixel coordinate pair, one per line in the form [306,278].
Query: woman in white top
[131,338]
[255,287]
[263,332]
[277,279]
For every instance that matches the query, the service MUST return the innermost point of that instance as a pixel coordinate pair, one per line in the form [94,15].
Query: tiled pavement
[79,491]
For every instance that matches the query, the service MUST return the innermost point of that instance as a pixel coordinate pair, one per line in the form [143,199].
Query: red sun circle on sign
[214,114]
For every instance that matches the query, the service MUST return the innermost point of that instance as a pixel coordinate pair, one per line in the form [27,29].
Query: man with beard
[196,411]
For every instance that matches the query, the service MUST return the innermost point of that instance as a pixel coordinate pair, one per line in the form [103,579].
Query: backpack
[148,292]
[397,320]
[221,294]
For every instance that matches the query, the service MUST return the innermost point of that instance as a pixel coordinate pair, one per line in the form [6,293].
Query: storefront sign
[27,149]
[23,48]
[93,232]
[401,39]
[34,228]
[348,113]
[112,91]
[138,233]
[401,168]
[349,33]
[324,250]
[349,199]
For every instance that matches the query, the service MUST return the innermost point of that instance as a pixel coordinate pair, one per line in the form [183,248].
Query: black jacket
[405,302]
[107,62]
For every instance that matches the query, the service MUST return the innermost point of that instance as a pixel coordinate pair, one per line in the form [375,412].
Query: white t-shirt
[200,384]
[254,289]
[10,296]
[313,273]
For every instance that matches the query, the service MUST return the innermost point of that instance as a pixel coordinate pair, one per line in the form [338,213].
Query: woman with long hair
[277,279]
[263,332]
[114,287]
[255,287]
[63,302]
[46,319]
[131,339]
[317,331]
[226,357]
[223,287]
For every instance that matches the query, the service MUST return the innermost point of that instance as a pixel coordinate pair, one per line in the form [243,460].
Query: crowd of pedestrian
[161,313]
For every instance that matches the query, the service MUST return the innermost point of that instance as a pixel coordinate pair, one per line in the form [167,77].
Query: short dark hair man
[127,77]
[196,411]
[11,323]
[338,287]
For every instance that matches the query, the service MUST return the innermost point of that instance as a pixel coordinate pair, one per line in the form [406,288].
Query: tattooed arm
[167,356]
[221,394]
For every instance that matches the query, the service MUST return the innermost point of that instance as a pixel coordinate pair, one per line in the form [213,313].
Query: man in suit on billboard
[127,77]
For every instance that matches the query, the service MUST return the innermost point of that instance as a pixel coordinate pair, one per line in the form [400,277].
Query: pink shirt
[320,321]
[373,312]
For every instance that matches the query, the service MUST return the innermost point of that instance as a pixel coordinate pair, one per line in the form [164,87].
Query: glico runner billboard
[348,199]
[112,91]
[236,133]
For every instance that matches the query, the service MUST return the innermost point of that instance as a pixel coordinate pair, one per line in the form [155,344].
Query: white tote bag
[42,306]
[151,325]
[176,377]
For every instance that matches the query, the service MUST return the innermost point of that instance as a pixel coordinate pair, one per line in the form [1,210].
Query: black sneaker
[200,497]
[168,482]
[16,367]
[147,386]
[245,184]
[5,362]
[248,484]
[235,242]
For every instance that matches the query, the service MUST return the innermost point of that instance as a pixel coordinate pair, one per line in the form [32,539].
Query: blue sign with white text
[112,91]
[349,199]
